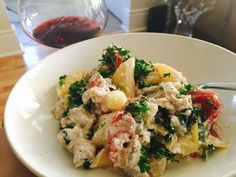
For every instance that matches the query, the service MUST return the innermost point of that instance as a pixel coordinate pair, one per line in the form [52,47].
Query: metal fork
[222,86]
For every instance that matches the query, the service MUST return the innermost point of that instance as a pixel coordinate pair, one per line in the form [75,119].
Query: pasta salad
[135,116]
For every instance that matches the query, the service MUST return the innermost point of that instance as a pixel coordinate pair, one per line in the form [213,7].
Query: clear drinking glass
[187,12]
[59,23]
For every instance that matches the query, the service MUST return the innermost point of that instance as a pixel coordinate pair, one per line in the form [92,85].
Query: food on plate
[135,116]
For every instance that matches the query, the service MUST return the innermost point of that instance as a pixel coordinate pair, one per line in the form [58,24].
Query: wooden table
[11,69]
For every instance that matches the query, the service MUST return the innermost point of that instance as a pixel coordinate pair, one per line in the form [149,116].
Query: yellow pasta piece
[166,73]
[217,142]
[157,167]
[153,77]
[101,160]
[161,130]
[185,145]
[100,137]
[123,77]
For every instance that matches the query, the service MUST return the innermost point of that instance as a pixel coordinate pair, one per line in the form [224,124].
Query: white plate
[31,129]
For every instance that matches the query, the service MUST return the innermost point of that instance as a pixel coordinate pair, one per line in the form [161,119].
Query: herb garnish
[142,84]
[76,91]
[156,150]
[159,150]
[62,80]
[166,75]
[164,153]
[144,161]
[142,68]
[187,88]
[138,109]
[111,59]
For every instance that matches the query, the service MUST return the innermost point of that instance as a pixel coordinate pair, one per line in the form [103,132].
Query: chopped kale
[86,164]
[164,153]
[168,137]
[207,151]
[155,149]
[65,113]
[112,57]
[202,131]
[166,75]
[159,150]
[90,134]
[138,109]
[62,80]
[162,118]
[160,153]
[189,121]
[69,126]
[142,68]
[76,91]
[89,106]
[187,88]
[66,140]
[144,161]
[142,84]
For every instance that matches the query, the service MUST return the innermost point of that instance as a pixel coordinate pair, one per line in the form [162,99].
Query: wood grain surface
[11,69]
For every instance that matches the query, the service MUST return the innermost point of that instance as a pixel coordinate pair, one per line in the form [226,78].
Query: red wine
[63,31]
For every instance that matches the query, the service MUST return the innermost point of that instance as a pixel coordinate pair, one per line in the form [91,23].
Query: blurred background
[216,25]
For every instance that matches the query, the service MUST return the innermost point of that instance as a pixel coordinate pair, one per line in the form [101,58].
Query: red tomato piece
[117,117]
[118,61]
[94,81]
[209,102]
[120,131]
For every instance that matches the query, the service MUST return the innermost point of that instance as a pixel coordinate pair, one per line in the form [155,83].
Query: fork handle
[223,86]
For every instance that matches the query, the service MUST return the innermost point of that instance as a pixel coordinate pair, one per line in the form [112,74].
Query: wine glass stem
[184,29]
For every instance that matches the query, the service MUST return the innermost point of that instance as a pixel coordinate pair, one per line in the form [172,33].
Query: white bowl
[31,129]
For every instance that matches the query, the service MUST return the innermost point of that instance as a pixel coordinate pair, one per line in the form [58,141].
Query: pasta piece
[102,159]
[185,145]
[100,137]
[169,74]
[153,77]
[157,167]
[217,142]
[123,77]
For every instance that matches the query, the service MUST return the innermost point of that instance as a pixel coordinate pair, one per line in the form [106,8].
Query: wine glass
[59,23]
[187,12]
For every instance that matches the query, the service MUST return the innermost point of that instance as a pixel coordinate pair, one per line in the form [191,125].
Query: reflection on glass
[187,12]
